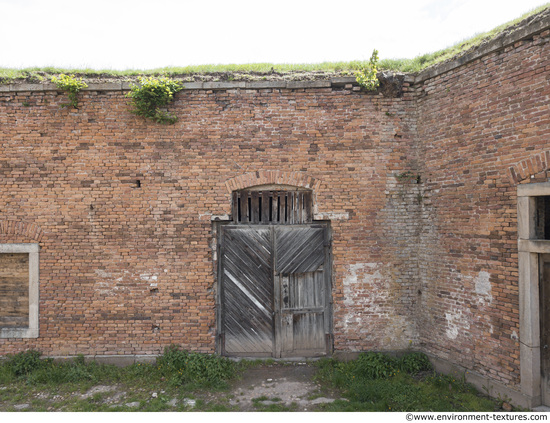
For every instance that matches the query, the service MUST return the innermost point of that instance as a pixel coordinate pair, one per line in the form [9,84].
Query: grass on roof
[401,65]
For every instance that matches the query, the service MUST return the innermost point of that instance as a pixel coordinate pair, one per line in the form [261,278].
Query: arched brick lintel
[529,167]
[15,227]
[269,177]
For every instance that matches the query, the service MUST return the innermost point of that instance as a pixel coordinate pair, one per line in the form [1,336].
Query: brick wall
[126,267]
[474,123]
[420,189]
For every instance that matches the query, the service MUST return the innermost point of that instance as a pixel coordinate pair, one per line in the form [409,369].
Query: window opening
[19,290]
[272,207]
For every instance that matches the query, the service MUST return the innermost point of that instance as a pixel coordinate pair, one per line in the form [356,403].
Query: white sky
[145,34]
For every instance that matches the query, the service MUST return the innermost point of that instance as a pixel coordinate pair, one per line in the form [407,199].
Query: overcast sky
[139,34]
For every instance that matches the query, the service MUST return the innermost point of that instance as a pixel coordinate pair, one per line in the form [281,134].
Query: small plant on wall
[366,77]
[71,85]
[150,95]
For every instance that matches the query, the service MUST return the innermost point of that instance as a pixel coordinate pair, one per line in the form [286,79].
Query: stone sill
[252,85]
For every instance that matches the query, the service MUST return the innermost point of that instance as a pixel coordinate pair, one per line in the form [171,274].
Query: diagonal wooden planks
[247,290]
[275,290]
[299,249]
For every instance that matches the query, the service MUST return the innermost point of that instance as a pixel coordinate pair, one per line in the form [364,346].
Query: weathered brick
[420,191]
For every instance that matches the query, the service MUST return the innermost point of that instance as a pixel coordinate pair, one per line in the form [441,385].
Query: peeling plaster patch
[483,287]
[205,216]
[331,216]
[514,336]
[456,321]
[112,284]
[148,277]
[220,217]
[359,297]
[367,299]
[103,273]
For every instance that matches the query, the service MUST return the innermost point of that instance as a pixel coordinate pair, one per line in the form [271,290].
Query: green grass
[377,382]
[244,71]
[47,385]
[275,406]
[429,59]
[373,382]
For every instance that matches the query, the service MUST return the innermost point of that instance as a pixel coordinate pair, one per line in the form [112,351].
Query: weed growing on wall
[366,76]
[71,85]
[150,95]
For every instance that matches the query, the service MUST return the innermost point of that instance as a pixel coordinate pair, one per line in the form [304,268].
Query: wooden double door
[275,291]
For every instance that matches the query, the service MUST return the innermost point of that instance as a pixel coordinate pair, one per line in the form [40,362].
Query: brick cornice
[529,167]
[272,177]
[15,227]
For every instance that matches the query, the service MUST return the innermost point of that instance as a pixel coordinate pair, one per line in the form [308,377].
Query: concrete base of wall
[117,360]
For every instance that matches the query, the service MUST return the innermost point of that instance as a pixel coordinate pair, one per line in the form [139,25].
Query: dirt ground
[290,385]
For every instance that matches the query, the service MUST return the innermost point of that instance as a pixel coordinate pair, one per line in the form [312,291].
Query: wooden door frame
[217,232]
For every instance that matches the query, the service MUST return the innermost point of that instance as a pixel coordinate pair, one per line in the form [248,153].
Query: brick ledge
[252,85]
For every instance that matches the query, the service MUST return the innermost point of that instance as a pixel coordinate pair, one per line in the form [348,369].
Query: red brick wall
[420,190]
[128,270]
[474,123]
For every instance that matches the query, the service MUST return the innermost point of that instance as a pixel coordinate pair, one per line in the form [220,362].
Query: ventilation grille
[272,207]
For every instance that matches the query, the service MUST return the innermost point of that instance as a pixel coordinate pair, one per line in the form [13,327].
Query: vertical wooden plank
[235,206]
[291,208]
[298,207]
[265,207]
[319,282]
[244,206]
[255,207]
[308,203]
[274,207]
[284,219]
[302,205]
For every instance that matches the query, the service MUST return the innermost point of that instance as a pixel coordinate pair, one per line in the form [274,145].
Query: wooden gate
[275,290]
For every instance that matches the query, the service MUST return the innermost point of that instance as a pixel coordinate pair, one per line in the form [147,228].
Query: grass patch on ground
[38,74]
[185,381]
[80,385]
[378,382]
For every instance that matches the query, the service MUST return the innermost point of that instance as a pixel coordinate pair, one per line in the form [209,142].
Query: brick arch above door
[26,229]
[529,167]
[272,177]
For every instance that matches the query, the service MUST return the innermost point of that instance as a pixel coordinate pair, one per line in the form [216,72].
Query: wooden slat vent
[272,207]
